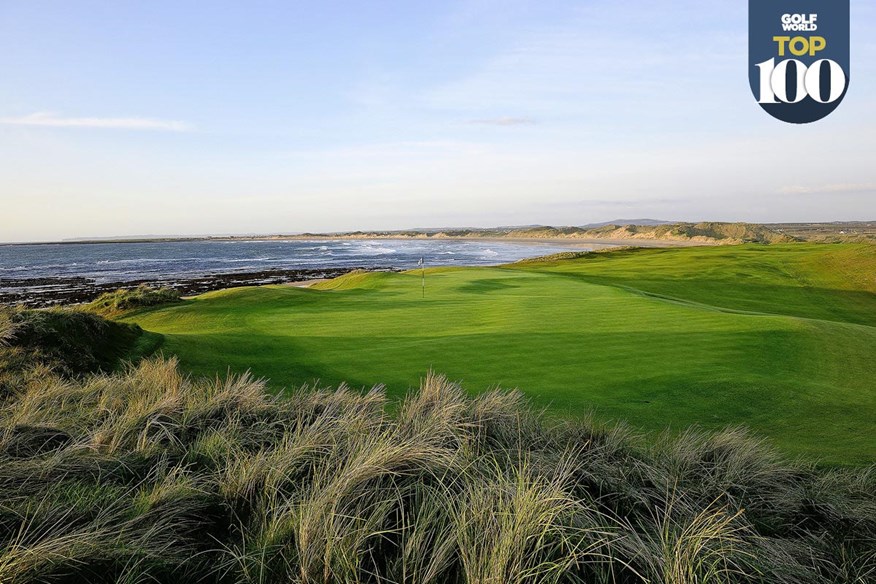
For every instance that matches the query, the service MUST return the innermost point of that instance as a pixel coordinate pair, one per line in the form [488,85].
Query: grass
[779,338]
[70,342]
[142,474]
[147,475]
[818,281]
[125,299]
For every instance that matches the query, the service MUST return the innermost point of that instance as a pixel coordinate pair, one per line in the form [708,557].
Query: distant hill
[704,232]
[835,231]
[471,229]
[656,230]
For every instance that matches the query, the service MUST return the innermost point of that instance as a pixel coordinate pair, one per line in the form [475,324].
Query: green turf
[778,338]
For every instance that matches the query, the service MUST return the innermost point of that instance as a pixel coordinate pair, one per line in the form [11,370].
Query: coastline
[49,292]
[573,242]
[44,292]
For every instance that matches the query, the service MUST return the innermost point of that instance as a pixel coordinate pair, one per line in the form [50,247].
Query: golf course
[777,338]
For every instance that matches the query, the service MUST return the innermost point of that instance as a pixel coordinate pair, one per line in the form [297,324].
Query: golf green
[781,338]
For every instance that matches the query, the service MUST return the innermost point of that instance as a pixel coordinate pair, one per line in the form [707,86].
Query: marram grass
[148,475]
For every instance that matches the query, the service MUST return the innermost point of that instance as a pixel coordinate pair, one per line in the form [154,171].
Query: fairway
[781,339]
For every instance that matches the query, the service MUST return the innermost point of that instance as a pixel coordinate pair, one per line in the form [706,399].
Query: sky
[183,117]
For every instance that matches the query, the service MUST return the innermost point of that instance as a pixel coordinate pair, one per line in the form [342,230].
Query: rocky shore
[45,292]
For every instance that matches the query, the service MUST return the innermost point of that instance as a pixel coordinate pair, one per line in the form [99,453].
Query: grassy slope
[833,282]
[72,342]
[579,335]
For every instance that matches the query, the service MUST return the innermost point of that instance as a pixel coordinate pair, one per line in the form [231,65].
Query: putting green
[777,338]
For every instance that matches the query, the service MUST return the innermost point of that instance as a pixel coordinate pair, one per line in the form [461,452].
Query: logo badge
[798,57]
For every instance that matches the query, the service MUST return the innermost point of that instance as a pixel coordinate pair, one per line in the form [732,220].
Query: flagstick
[424,276]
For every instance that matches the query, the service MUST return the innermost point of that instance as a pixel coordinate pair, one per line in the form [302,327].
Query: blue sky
[121,118]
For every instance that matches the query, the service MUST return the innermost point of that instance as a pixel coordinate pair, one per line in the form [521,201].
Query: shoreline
[49,292]
[46,292]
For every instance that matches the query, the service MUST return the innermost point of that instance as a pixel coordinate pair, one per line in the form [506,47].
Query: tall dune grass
[148,475]
[124,299]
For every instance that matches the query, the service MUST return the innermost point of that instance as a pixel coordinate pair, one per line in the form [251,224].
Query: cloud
[834,189]
[56,121]
[506,121]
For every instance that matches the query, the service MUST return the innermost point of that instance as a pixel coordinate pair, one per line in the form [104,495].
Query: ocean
[166,260]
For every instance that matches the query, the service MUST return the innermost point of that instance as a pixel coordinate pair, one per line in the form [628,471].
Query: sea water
[120,262]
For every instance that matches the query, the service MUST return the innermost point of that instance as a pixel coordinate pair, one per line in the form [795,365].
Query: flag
[422,264]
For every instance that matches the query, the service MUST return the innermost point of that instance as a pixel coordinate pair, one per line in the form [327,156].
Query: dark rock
[45,292]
